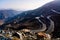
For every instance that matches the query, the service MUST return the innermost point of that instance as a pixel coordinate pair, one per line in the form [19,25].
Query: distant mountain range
[5,14]
[52,8]
[8,13]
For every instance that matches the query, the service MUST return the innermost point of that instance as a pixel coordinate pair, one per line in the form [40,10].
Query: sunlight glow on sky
[22,4]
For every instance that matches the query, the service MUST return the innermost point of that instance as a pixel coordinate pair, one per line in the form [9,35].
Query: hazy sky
[22,4]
